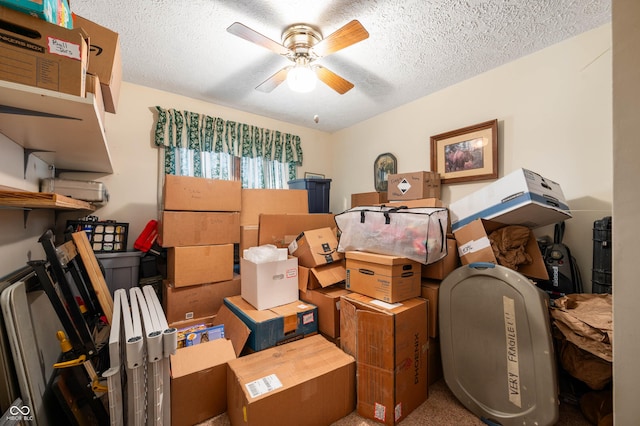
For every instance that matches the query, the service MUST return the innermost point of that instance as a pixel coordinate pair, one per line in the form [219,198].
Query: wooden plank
[37,200]
[95,273]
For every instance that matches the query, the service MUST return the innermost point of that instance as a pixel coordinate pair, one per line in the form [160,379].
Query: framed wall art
[466,154]
[385,165]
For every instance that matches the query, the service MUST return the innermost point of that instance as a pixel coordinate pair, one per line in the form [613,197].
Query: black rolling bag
[601,273]
[564,275]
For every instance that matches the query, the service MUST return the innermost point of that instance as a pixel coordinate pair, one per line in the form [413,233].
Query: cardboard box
[522,197]
[443,267]
[328,302]
[105,61]
[474,246]
[368,199]
[413,186]
[429,290]
[191,265]
[53,11]
[196,301]
[269,284]
[281,229]
[271,201]
[387,278]
[422,202]
[198,228]
[390,344]
[198,381]
[316,247]
[309,381]
[434,365]
[321,276]
[248,237]
[39,54]
[200,194]
[92,85]
[279,325]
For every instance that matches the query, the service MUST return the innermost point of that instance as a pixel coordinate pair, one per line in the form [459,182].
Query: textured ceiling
[415,48]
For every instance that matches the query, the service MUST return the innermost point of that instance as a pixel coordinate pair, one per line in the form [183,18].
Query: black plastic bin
[601,275]
[318,190]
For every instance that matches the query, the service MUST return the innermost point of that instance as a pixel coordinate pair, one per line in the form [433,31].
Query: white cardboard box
[522,197]
[270,284]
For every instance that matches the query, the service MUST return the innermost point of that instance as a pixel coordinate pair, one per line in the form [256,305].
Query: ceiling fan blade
[351,33]
[253,36]
[274,81]
[333,80]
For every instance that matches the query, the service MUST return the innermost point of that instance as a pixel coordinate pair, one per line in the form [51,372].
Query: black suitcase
[601,271]
[564,275]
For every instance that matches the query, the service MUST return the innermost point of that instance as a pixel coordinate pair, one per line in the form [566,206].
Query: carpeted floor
[440,408]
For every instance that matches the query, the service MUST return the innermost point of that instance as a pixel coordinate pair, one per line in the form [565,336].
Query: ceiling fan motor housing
[300,39]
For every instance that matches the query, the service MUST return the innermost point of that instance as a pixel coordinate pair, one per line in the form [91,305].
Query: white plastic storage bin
[121,270]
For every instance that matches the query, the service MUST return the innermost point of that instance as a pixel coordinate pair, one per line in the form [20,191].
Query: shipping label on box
[413,186]
[316,247]
[278,325]
[387,278]
[55,60]
[378,334]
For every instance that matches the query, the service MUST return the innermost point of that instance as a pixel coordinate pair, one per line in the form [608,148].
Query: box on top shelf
[388,278]
[413,186]
[312,382]
[201,194]
[39,54]
[316,247]
[522,197]
[53,11]
[105,61]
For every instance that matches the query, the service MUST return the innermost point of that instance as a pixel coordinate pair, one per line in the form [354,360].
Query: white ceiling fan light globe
[301,79]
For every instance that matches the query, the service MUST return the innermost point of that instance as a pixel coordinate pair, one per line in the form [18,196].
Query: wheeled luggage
[496,345]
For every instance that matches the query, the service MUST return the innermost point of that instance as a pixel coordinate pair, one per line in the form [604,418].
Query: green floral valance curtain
[194,135]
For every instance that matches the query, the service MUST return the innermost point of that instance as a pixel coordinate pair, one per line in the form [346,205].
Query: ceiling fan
[302,45]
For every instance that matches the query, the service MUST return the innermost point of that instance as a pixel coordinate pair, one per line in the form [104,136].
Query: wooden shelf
[42,200]
[63,130]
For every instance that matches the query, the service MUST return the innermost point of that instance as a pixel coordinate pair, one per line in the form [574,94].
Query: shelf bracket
[25,216]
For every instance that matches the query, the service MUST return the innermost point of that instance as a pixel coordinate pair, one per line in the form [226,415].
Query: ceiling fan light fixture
[301,78]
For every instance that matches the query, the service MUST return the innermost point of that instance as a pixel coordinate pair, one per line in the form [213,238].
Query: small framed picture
[466,154]
[309,175]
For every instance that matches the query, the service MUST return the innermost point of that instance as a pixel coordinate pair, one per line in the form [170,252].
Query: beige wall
[554,113]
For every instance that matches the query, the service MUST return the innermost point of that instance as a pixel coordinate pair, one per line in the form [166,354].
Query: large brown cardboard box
[248,237]
[281,229]
[309,381]
[390,344]
[387,278]
[316,247]
[271,201]
[328,302]
[429,290]
[105,60]
[199,381]
[443,267]
[200,194]
[92,85]
[197,301]
[198,228]
[413,186]
[192,265]
[39,54]
[321,276]
[474,246]
[368,199]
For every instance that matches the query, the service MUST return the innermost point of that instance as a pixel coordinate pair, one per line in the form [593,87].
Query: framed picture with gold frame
[466,154]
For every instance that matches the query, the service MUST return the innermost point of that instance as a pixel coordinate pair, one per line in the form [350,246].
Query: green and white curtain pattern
[203,146]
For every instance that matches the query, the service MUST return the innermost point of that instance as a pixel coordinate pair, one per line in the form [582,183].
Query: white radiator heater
[139,348]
